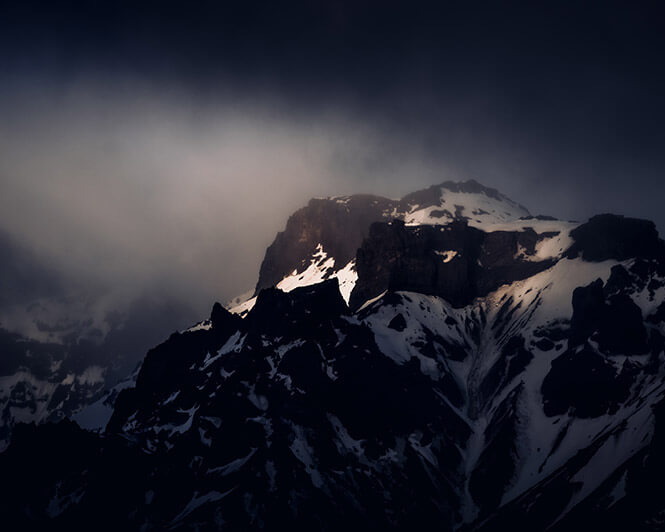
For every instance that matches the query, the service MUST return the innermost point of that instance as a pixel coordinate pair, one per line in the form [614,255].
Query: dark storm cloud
[121,184]
[163,144]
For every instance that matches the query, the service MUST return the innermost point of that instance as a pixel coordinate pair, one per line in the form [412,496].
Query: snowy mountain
[321,239]
[459,371]
[61,349]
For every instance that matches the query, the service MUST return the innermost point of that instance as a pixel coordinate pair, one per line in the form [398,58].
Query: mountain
[478,371]
[62,349]
[321,239]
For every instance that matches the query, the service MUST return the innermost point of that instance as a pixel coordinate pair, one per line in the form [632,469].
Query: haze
[136,165]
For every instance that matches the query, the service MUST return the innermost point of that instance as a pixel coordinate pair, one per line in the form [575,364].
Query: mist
[127,189]
[158,151]
[132,187]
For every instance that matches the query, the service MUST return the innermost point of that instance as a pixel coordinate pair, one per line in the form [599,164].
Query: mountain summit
[441,362]
[320,240]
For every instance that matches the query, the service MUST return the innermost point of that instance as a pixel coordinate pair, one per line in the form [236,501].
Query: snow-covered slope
[59,354]
[96,415]
[479,205]
[513,339]
[320,269]
[42,381]
[502,375]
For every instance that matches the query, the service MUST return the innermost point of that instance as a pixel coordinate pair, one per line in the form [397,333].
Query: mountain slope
[503,376]
[63,342]
[69,353]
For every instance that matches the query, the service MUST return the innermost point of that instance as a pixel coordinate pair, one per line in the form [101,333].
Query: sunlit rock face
[488,374]
[337,224]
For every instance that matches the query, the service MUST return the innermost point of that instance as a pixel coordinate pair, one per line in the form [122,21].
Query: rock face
[608,236]
[340,224]
[503,377]
[455,261]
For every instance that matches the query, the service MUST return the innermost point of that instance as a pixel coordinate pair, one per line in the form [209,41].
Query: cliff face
[456,261]
[340,224]
[609,236]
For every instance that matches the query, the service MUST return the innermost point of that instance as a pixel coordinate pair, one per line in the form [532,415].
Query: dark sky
[166,142]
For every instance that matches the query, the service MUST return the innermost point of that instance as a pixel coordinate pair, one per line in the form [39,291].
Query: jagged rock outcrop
[337,224]
[455,261]
[610,236]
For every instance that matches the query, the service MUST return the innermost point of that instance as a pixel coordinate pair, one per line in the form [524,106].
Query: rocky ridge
[486,376]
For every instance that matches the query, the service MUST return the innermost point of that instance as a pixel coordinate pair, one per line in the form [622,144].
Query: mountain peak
[501,372]
[460,200]
[338,225]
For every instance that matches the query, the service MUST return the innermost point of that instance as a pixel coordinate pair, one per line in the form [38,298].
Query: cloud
[138,189]
[142,186]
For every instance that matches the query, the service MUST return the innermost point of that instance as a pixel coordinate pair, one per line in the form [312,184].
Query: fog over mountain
[446,361]
[131,187]
[159,147]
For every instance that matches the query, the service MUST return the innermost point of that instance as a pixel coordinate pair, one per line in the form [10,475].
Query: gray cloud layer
[135,188]
[142,190]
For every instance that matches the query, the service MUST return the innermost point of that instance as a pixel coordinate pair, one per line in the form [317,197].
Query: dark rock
[659,315]
[514,358]
[539,217]
[616,324]
[621,330]
[396,257]
[300,311]
[544,344]
[440,213]
[610,236]
[584,383]
[305,365]
[398,323]
[556,333]
[496,464]
[588,310]
[619,280]
[338,226]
